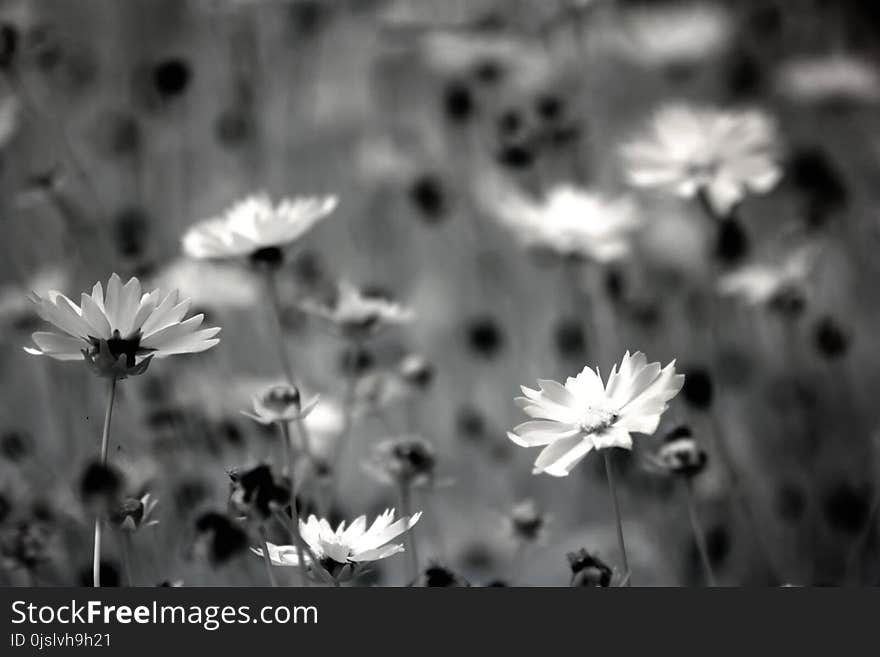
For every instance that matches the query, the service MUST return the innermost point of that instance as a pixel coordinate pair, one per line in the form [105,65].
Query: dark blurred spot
[679,432]
[41,510]
[765,20]
[437,576]
[45,48]
[458,102]
[259,490]
[615,284]
[5,508]
[109,573]
[230,432]
[477,556]
[189,493]
[847,506]
[356,361]
[79,68]
[515,156]
[485,337]
[308,17]
[117,134]
[131,228]
[510,124]
[470,424]
[732,243]
[718,544]
[171,76]
[644,312]
[698,389]
[429,197]
[549,108]
[680,72]
[488,71]
[167,417]
[100,486]
[8,45]
[588,570]
[831,340]
[225,539]
[744,76]
[496,584]
[568,337]
[27,544]
[818,179]
[308,266]
[15,445]
[790,301]
[734,365]
[562,135]
[270,257]
[233,127]
[791,502]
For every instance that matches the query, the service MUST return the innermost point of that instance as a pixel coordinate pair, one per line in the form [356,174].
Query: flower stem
[267,560]
[294,514]
[609,472]
[275,303]
[405,496]
[125,549]
[699,536]
[105,448]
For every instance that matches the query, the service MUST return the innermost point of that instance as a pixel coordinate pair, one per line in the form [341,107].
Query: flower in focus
[408,461]
[571,420]
[119,333]
[255,224]
[680,454]
[570,221]
[527,522]
[357,315]
[342,552]
[134,514]
[777,284]
[588,570]
[280,403]
[723,155]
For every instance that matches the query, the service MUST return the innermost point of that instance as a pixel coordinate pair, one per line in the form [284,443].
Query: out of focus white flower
[582,415]
[343,551]
[829,78]
[280,403]
[357,315]
[254,224]
[120,332]
[406,461]
[760,284]
[667,35]
[724,155]
[15,307]
[570,221]
[526,522]
[209,285]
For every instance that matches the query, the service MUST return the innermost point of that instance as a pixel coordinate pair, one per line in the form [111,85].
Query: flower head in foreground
[343,551]
[356,315]
[723,155]
[118,333]
[280,403]
[570,221]
[255,226]
[571,420]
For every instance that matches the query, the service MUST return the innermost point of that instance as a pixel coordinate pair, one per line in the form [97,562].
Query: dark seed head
[588,570]
[271,257]
[458,102]
[515,156]
[15,445]
[569,338]
[100,484]
[470,424]
[429,197]
[8,45]
[485,337]
[732,243]
[846,507]
[171,76]
[831,340]
[698,388]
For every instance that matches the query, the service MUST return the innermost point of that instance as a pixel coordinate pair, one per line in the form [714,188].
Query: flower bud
[588,570]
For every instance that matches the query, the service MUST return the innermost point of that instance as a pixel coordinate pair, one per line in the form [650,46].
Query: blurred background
[123,123]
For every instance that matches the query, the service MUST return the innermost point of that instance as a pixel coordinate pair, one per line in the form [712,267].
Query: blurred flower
[582,415]
[355,314]
[569,221]
[119,334]
[691,151]
[16,310]
[674,34]
[254,224]
[220,536]
[437,576]
[588,570]
[344,551]
[680,454]
[258,493]
[527,522]
[829,78]
[770,284]
[100,487]
[134,514]
[416,371]
[208,285]
[280,403]
[407,461]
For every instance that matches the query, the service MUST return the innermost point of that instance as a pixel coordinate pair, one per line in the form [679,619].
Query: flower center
[596,419]
[270,256]
[119,346]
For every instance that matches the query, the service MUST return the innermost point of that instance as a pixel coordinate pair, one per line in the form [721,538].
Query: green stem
[699,536]
[294,519]
[609,472]
[267,560]
[105,448]
[275,303]
[125,549]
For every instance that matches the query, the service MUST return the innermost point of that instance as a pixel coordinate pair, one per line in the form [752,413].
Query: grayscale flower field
[439,293]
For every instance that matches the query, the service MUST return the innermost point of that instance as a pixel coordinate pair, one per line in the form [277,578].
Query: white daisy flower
[355,314]
[759,284]
[350,546]
[254,224]
[280,403]
[690,151]
[582,415]
[570,221]
[119,332]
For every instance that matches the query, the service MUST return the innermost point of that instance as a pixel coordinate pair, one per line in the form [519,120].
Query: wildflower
[357,315]
[829,79]
[588,570]
[408,461]
[680,454]
[569,221]
[719,155]
[135,513]
[343,552]
[119,333]
[257,492]
[771,284]
[222,539]
[256,227]
[437,576]
[582,415]
[416,370]
[280,403]
[527,521]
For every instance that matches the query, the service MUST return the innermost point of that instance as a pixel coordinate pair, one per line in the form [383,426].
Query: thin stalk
[410,536]
[294,519]
[275,303]
[609,472]
[699,536]
[105,448]
[125,550]
[267,560]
